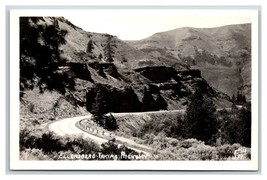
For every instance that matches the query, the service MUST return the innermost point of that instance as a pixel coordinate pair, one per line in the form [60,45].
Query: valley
[137,93]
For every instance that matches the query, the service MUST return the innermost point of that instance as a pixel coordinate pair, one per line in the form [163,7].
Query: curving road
[68,126]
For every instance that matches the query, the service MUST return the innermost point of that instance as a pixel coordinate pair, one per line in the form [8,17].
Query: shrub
[174,142]
[51,145]
[114,151]
[202,152]
[80,145]
[26,139]
[189,143]
[149,138]
[192,149]
[169,126]
[248,153]
[48,142]
[33,154]
[225,151]
[160,141]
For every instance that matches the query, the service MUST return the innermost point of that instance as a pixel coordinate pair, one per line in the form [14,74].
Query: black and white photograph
[121,87]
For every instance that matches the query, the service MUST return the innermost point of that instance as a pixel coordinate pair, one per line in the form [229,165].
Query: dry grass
[224,79]
[33,155]
[40,109]
[129,123]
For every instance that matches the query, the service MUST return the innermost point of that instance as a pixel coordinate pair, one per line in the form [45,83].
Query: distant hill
[223,54]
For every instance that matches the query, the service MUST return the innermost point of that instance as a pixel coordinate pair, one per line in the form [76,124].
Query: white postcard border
[16,164]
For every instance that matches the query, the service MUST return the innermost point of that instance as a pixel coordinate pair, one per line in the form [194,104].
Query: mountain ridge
[208,49]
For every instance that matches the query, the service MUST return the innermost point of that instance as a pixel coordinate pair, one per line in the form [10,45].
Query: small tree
[110,123]
[234,107]
[109,49]
[228,129]
[123,60]
[99,107]
[89,50]
[236,126]
[233,98]
[40,56]
[241,98]
[200,121]
[100,56]
[244,126]
[147,101]
[90,47]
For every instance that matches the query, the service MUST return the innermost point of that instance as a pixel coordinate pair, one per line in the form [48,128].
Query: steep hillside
[88,68]
[123,55]
[222,53]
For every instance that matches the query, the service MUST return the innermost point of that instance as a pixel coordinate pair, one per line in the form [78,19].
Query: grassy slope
[128,123]
[225,79]
[77,41]
[220,41]
[40,109]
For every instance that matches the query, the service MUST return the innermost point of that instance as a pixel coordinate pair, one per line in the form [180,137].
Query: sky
[139,24]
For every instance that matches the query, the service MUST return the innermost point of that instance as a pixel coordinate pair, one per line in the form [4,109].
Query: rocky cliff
[128,78]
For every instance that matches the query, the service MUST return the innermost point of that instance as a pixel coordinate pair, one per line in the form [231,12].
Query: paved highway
[67,126]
